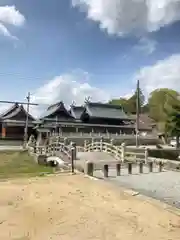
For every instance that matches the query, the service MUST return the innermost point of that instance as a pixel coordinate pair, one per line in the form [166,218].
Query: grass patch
[20,164]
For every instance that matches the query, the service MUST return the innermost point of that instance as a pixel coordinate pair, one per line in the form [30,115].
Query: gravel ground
[164,186]
[67,207]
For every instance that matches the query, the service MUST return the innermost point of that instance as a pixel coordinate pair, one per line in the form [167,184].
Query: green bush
[163,153]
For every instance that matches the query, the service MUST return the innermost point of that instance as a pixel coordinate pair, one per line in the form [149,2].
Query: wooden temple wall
[14,132]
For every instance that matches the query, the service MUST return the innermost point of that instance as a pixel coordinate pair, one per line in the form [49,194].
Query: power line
[24,103]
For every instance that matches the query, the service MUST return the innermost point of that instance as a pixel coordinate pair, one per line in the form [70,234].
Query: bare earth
[74,207]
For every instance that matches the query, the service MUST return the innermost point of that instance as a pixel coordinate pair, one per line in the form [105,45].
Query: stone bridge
[99,152]
[119,166]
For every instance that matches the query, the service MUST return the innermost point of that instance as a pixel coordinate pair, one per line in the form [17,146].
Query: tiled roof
[16,111]
[100,110]
[9,110]
[56,109]
[76,111]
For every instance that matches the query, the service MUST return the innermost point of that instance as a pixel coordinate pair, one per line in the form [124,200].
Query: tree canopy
[163,106]
[129,105]
[160,101]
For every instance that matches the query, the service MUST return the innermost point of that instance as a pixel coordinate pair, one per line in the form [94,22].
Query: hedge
[164,154]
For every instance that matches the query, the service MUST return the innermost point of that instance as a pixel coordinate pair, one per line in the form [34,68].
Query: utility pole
[137,114]
[27,120]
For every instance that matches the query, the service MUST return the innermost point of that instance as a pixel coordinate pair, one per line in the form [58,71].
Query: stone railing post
[146,155]
[106,171]
[123,151]
[92,143]
[117,148]
[89,168]
[101,144]
[118,169]
[53,133]
[160,166]
[53,152]
[150,166]
[112,144]
[65,141]
[35,149]
[85,146]
[129,168]
[141,167]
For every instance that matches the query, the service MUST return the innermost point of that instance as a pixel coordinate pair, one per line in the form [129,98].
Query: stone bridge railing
[56,147]
[118,152]
[53,149]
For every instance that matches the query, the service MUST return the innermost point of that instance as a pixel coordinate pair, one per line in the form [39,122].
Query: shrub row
[164,154]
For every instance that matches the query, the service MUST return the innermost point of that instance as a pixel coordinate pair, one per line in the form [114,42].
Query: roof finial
[73,104]
[87,99]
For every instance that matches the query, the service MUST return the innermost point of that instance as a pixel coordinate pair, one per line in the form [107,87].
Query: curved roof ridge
[55,105]
[9,110]
[16,111]
[54,108]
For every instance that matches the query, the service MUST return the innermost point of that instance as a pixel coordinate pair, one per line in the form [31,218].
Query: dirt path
[75,207]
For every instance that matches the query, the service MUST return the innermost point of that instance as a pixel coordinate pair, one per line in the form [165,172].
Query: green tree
[121,102]
[145,108]
[172,125]
[159,101]
[129,105]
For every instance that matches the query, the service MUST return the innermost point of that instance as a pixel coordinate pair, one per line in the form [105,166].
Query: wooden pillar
[3,130]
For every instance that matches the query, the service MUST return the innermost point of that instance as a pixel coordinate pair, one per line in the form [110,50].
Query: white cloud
[164,74]
[146,45]
[67,88]
[9,15]
[122,17]
[74,86]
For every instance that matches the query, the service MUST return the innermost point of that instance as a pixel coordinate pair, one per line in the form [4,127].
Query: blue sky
[58,53]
